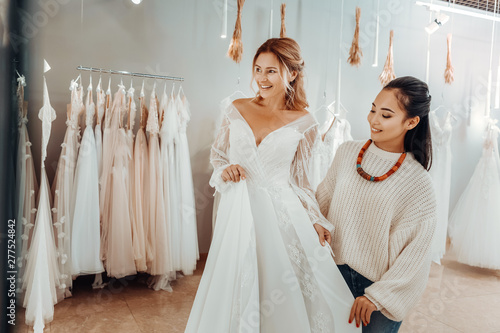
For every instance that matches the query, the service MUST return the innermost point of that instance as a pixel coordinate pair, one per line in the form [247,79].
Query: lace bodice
[89,107]
[282,159]
[76,104]
[152,125]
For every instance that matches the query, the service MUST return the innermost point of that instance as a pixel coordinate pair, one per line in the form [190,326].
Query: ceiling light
[441,19]
[136,1]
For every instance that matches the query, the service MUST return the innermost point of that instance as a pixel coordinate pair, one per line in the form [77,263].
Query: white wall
[182,38]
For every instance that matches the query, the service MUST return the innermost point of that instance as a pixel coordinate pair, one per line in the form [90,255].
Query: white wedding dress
[440,173]
[338,133]
[189,234]
[85,232]
[266,270]
[42,276]
[475,222]
[26,185]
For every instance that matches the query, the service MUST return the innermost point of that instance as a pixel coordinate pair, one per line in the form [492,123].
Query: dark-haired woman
[380,198]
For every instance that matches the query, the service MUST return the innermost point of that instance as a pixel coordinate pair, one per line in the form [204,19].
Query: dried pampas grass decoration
[387,74]
[448,73]
[283,28]
[355,53]
[235,51]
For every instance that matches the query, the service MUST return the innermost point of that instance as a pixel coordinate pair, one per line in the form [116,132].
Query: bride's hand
[323,234]
[234,173]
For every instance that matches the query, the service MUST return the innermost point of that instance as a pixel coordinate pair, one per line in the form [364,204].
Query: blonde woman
[269,268]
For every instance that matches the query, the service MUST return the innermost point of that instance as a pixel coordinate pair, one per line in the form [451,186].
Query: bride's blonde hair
[288,53]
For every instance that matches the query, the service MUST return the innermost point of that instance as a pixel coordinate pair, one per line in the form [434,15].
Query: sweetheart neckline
[265,137]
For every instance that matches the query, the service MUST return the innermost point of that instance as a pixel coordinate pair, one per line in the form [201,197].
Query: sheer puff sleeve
[301,177]
[219,156]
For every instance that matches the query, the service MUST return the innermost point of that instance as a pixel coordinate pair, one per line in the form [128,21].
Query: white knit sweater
[383,230]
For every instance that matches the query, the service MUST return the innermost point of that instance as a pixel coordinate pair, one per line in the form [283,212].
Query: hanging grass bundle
[448,72]
[283,28]
[235,51]
[387,74]
[355,53]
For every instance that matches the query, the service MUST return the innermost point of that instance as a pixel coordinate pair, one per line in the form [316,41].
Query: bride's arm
[301,174]
[219,156]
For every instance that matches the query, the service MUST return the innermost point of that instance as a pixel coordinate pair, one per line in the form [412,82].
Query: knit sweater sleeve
[324,192]
[402,285]
[301,175]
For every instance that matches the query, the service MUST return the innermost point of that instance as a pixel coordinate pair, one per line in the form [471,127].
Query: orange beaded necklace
[366,176]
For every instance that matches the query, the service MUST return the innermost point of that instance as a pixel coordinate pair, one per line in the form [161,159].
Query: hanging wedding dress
[120,260]
[108,148]
[338,133]
[62,189]
[136,219]
[161,265]
[42,270]
[169,144]
[265,249]
[189,231]
[440,173]
[141,189]
[26,185]
[85,232]
[475,221]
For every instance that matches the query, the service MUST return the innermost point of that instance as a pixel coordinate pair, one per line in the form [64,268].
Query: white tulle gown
[189,231]
[441,178]
[475,222]
[85,233]
[42,277]
[62,189]
[266,270]
[169,134]
[26,185]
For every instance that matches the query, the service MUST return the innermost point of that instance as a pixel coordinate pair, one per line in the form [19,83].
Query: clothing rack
[110,71]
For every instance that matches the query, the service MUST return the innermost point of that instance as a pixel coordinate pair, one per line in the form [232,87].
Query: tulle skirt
[85,238]
[161,263]
[189,233]
[41,280]
[475,222]
[266,270]
[120,255]
[138,193]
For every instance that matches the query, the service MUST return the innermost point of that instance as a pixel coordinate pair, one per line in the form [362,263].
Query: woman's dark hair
[413,96]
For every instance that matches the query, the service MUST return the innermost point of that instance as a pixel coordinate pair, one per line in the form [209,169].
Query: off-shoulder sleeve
[301,177]
[219,156]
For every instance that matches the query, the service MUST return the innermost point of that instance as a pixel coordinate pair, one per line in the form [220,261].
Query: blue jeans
[357,283]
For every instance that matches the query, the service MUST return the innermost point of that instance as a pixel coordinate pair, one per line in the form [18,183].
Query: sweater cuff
[380,307]
[374,301]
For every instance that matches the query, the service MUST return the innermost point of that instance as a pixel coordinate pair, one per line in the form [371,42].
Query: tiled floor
[458,298]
